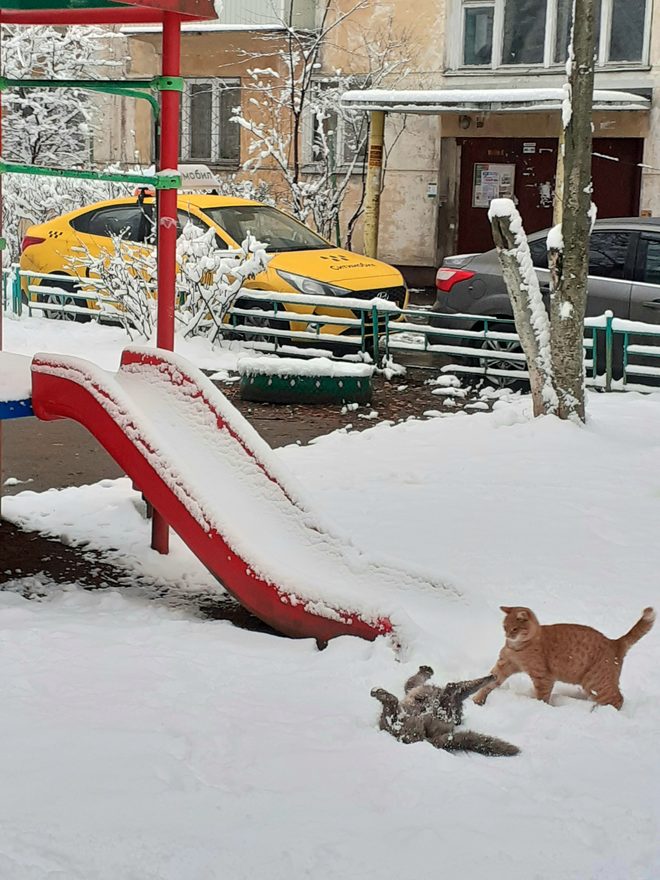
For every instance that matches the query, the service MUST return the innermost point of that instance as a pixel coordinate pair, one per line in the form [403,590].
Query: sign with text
[492,181]
[197,177]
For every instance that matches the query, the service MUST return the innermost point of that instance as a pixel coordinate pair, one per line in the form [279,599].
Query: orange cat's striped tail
[643,625]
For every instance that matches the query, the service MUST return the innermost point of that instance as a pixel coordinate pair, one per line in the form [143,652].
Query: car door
[645,297]
[611,259]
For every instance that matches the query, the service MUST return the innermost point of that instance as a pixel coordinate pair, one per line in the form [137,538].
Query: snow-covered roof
[481,100]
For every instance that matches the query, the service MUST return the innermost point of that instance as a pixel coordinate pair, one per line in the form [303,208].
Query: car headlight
[310,286]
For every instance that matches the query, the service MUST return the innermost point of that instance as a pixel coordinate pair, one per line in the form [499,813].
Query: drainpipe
[373,183]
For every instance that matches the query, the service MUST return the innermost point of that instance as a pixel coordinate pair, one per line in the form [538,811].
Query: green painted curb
[260,387]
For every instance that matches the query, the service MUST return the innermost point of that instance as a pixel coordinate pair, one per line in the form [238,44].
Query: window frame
[456,48]
[216,85]
[640,257]
[309,131]
[477,4]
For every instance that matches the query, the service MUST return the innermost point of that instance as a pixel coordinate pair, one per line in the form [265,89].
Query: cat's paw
[479,698]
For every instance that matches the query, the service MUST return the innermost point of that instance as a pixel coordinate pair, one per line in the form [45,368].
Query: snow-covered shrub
[208,281]
[127,274]
[28,200]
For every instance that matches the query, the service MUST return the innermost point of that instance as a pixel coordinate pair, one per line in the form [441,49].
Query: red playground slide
[221,488]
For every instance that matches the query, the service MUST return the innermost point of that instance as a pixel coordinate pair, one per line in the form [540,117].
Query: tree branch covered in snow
[208,281]
[295,119]
[53,126]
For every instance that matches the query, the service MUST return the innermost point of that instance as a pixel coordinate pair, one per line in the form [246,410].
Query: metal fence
[619,354]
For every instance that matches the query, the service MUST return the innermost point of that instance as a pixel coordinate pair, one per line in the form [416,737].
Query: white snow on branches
[53,126]
[207,283]
[297,123]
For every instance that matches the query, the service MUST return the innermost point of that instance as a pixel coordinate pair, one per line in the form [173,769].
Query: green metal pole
[157,181]
[608,350]
[374,326]
[17,297]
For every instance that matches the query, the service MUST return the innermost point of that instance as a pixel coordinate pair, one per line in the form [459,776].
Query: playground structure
[168,87]
[204,470]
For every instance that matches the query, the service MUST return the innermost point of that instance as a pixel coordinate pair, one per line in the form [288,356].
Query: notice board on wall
[492,181]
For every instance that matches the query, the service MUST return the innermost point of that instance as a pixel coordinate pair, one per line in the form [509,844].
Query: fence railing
[619,354]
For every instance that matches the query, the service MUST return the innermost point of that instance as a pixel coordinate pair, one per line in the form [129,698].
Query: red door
[490,165]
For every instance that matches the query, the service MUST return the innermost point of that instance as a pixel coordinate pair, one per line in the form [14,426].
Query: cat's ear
[522,615]
[506,609]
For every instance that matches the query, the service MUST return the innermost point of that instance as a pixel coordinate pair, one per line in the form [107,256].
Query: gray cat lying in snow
[430,713]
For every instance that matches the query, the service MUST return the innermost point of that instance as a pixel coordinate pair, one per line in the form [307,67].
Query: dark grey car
[624,276]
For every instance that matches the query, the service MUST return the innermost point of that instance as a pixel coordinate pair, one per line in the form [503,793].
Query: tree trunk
[529,311]
[568,300]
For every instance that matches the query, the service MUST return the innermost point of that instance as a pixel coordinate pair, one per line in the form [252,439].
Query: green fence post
[608,350]
[16,293]
[374,325]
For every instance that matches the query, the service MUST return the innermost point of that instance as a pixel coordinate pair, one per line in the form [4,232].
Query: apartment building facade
[441,168]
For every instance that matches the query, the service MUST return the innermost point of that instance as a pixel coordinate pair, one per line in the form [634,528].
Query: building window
[523,37]
[536,33]
[207,134]
[478,30]
[336,139]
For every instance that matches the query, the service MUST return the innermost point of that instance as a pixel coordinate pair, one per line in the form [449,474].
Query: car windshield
[268,225]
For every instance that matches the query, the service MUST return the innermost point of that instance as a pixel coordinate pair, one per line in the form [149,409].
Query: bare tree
[557,373]
[569,294]
[296,122]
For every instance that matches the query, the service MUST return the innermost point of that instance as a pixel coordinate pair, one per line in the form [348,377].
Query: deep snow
[141,742]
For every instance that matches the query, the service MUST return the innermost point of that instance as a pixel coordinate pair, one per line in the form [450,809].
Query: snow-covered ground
[142,742]
[103,343]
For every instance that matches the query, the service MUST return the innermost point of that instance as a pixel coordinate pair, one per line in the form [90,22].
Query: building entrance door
[525,169]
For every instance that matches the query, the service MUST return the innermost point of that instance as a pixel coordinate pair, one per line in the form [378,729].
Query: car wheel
[67,299]
[501,348]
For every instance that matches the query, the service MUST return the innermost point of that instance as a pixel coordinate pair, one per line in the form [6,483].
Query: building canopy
[481,100]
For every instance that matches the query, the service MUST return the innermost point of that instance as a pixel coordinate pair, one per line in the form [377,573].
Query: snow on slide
[14,385]
[219,486]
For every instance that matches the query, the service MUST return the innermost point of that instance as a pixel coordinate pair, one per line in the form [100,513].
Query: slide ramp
[221,488]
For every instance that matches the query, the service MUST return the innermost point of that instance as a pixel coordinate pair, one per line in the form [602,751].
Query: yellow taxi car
[301,261]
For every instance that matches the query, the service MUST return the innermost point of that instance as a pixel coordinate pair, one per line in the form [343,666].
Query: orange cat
[564,652]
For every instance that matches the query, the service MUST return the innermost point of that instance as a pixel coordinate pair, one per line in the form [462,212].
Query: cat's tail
[643,625]
[469,741]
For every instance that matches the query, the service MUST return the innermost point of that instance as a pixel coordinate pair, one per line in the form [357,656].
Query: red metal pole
[1,261]
[167,199]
